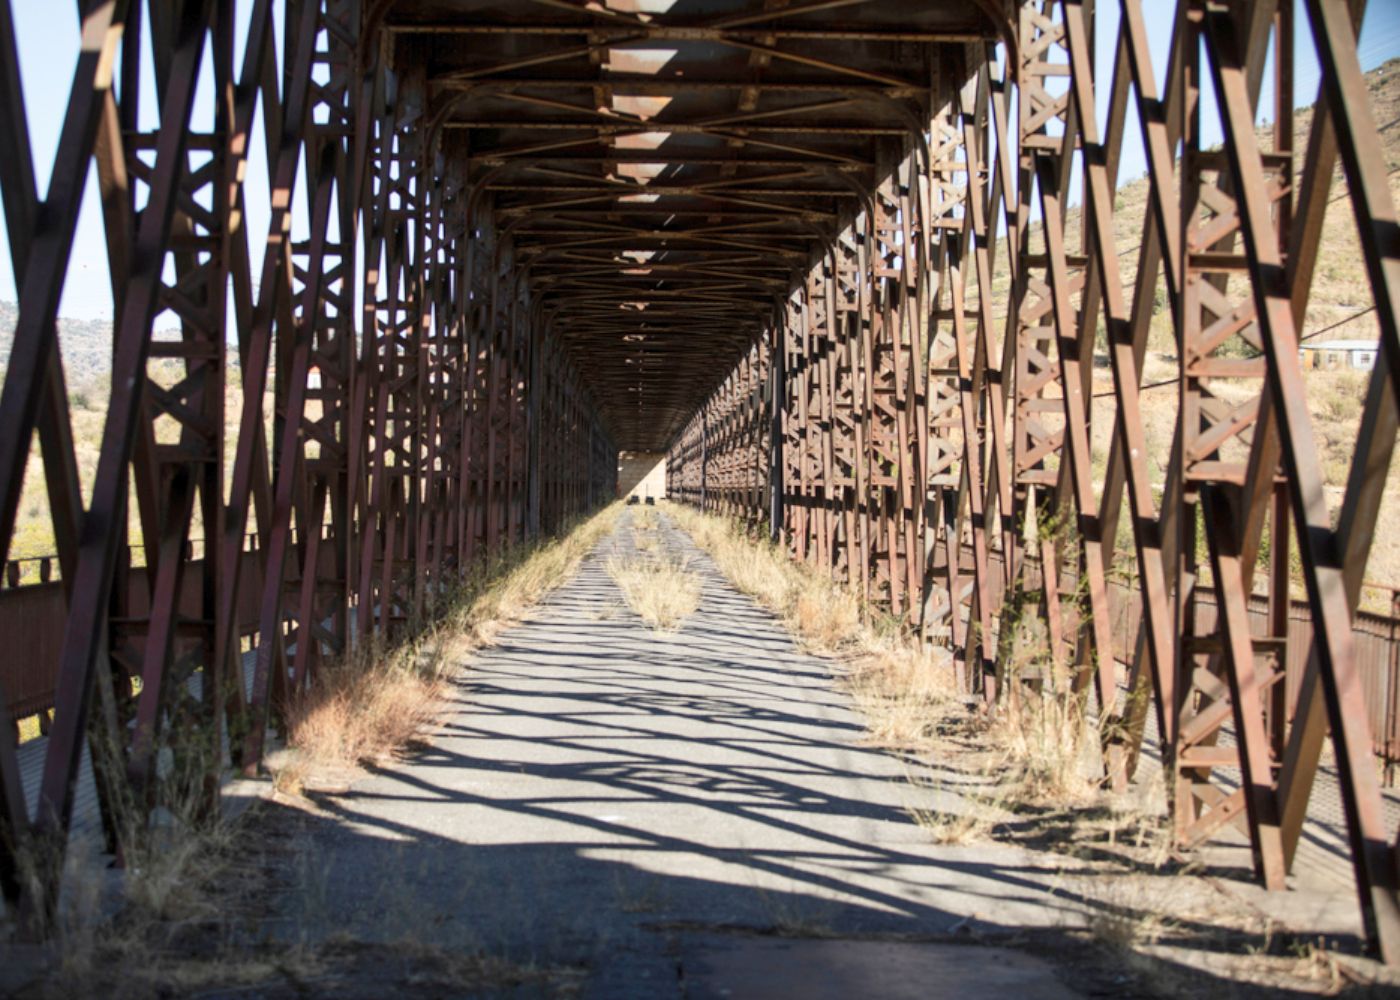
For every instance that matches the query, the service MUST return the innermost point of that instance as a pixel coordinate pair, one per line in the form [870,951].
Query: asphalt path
[671,811]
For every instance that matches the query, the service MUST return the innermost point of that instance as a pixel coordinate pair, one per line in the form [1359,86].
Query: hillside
[86,346]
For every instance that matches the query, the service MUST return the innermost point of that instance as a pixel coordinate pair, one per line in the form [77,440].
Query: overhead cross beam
[856,267]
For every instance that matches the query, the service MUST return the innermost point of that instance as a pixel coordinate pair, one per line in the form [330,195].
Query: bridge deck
[599,794]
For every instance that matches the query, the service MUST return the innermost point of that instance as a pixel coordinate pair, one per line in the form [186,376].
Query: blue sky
[1379,41]
[48,35]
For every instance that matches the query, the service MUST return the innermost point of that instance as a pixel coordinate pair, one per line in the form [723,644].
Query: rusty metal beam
[806,249]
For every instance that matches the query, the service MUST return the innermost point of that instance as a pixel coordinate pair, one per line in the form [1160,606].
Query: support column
[777,397]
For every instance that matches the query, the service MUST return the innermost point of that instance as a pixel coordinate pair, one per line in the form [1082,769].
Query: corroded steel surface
[916,417]
[825,251]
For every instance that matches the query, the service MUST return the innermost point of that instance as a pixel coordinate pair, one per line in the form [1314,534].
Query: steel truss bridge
[849,262]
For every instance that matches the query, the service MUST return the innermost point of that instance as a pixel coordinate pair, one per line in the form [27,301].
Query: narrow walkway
[603,795]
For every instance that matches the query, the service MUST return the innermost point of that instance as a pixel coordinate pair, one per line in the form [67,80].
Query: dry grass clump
[950,827]
[1044,740]
[826,615]
[661,590]
[363,708]
[901,687]
[1050,751]
[374,702]
[823,614]
[170,923]
[1129,913]
[974,817]
[902,691]
[646,534]
[757,568]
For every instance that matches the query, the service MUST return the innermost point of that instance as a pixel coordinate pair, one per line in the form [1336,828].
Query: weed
[374,701]
[902,693]
[362,708]
[638,892]
[170,922]
[645,519]
[1131,913]
[973,819]
[662,590]
[793,914]
[950,828]
[1044,742]
[902,687]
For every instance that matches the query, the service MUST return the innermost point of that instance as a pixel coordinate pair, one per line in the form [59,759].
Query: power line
[1311,336]
[1340,322]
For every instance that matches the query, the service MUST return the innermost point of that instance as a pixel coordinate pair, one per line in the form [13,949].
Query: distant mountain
[86,344]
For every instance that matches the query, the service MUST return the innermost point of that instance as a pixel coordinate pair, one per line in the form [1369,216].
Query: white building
[1338,355]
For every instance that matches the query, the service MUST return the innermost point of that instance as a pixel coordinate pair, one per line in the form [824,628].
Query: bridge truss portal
[852,262]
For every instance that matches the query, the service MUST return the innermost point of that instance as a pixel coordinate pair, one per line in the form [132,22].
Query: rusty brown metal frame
[365,496]
[855,301]
[1010,524]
